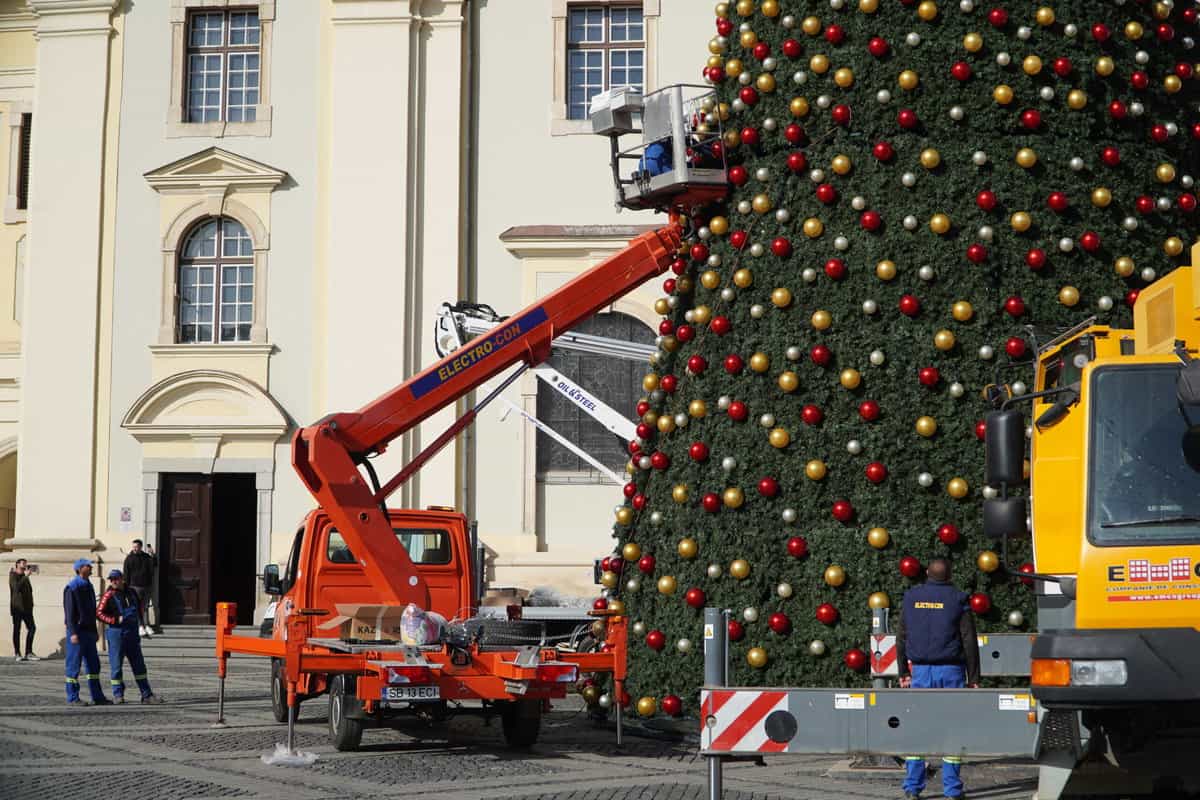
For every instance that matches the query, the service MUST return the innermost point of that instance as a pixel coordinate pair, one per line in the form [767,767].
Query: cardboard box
[365,622]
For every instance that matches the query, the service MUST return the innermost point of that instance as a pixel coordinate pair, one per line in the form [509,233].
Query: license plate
[412,693]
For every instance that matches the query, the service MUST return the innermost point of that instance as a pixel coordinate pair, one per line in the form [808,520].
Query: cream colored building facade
[193,272]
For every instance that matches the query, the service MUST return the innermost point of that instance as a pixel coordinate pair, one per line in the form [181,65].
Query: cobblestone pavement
[48,751]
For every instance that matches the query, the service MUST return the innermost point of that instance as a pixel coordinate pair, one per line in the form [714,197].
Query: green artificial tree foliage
[848,128]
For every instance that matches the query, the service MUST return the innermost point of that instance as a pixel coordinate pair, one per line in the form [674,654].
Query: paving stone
[422,766]
[130,783]
[16,750]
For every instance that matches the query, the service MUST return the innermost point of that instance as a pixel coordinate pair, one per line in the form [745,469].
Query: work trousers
[85,651]
[125,644]
[25,617]
[936,676]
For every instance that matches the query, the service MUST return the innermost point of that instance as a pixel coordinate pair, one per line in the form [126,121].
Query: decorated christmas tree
[920,192]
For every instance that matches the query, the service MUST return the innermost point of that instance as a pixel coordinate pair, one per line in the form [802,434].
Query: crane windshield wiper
[1133,523]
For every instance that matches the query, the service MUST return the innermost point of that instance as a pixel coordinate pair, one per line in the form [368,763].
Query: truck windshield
[429,546]
[1144,481]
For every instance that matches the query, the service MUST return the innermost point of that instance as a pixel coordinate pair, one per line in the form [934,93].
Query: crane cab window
[1065,366]
[425,546]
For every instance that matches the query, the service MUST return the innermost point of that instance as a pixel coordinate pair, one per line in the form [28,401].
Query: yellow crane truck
[1113,508]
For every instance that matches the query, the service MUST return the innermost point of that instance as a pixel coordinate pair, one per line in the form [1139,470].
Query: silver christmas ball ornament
[750,614]
[815,648]
[854,447]
[925,480]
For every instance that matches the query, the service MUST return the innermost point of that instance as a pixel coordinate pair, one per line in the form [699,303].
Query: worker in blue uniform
[937,649]
[79,610]
[119,609]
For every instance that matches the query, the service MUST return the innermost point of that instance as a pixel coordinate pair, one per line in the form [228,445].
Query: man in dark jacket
[79,607]
[21,608]
[118,609]
[935,634]
[139,576]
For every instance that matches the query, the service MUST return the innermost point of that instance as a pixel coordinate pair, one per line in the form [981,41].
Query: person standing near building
[118,609]
[21,607]
[139,575]
[79,607]
[935,635]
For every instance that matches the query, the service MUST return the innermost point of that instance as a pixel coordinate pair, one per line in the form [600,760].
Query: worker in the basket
[119,609]
[937,649]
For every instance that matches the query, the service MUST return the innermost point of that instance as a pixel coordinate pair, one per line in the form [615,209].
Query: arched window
[216,284]
[617,382]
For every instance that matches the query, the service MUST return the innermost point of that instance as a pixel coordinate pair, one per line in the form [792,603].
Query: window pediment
[205,402]
[214,169]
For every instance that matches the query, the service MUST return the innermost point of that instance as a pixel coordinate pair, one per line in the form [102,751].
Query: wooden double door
[208,532]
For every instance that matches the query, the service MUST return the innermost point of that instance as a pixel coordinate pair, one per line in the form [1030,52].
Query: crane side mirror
[1005,518]
[1062,406]
[270,577]
[1004,457]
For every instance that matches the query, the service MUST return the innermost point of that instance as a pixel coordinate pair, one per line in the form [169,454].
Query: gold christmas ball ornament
[908,79]
[761,204]
[1044,16]
[779,438]
[669,344]
[879,600]
[709,279]
[1172,84]
[844,77]
[885,270]
[821,320]
[799,106]
[841,164]
[765,83]
[743,278]
[739,568]
[715,47]
[770,8]
[962,311]
[1002,94]
[650,381]
[878,538]
[850,378]
[973,42]
[1068,296]
[624,515]
[679,493]
[926,426]
[697,409]
[759,362]
[815,470]
[687,548]
[1164,173]
[662,307]
[632,551]
[834,575]
[987,561]
[1105,66]
[1101,197]
[1133,31]
[719,226]
[789,381]
[813,227]
[683,285]
[617,607]
[957,488]
[930,158]
[609,580]
[734,67]
[1077,99]
[1162,10]
[733,497]
[819,63]
[1173,246]
[756,657]
[666,423]
[1031,65]
[1026,157]
[713,61]
[666,585]
[722,10]
[701,314]
[590,694]
[939,224]
[927,10]
[781,297]
[944,340]
[868,6]
[748,39]
[646,706]
[811,26]
[1124,266]
[745,8]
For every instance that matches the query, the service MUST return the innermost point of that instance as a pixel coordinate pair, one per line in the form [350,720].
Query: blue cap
[80,563]
[114,573]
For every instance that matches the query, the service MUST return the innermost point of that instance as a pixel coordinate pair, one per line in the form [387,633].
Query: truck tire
[522,720]
[279,692]
[515,633]
[345,733]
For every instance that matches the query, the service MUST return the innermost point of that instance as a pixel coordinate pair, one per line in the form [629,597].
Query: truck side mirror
[1005,518]
[270,578]
[1004,458]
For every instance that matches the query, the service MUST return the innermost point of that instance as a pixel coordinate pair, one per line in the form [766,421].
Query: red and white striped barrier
[735,721]
[884,657]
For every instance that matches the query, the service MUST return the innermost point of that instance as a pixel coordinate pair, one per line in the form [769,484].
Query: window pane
[245,294]
[229,294]
[243,28]
[236,242]
[204,73]
[229,313]
[206,30]
[204,333]
[625,68]
[246,275]
[202,243]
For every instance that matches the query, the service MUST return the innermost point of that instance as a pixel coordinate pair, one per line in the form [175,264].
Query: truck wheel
[346,733]
[522,720]
[279,692]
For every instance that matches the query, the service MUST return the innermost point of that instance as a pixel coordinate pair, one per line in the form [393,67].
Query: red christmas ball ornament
[696,365]
[797,547]
[1186,202]
[1196,130]
[1190,15]
[876,472]
[644,431]
[820,355]
[1184,71]
[843,511]
[635,448]
[1035,259]
[835,269]
[1100,32]
[1015,347]
[695,597]
[600,604]
[827,614]
[1139,80]
[841,114]
[981,430]
[794,133]
[870,220]
[947,534]
[1164,32]
[1062,67]
[1026,569]
[711,502]
[669,286]
[738,175]
[797,162]
[646,564]
[762,50]
[1110,156]
[826,193]
[961,71]
[981,603]
[812,415]
[1090,241]
[738,411]
[737,239]
[1031,119]
[868,410]
[1058,202]
[986,200]
[629,490]
[878,46]
[666,327]
[660,460]
[909,305]
[779,622]
[671,705]
[907,119]
[977,253]
[749,96]
[679,266]
[910,567]
[720,325]
[1144,204]
[1131,297]
[638,501]
[606,564]
[855,659]
[699,252]
[998,17]
[768,487]
[749,133]
[641,408]
[835,34]
[883,151]
[656,640]
[736,630]
[734,364]
[929,376]
[669,383]
[715,74]
[792,48]
[1015,306]
[698,451]
[685,333]
[1118,110]
[724,26]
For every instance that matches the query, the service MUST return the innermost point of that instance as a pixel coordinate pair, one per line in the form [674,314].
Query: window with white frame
[216,284]
[606,48]
[223,65]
